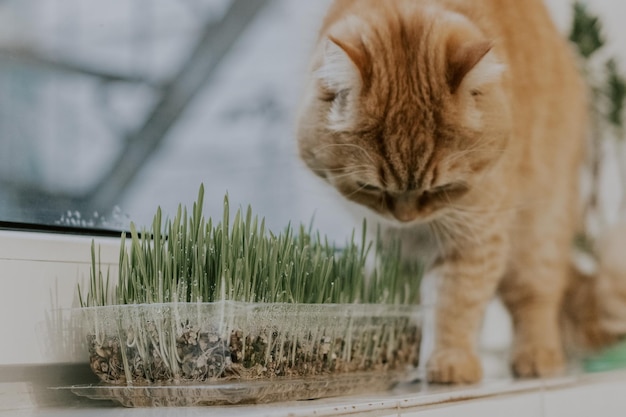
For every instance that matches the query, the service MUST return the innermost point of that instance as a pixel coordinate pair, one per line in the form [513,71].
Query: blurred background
[110,109]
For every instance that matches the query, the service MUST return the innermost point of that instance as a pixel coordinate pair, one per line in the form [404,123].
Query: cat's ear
[473,63]
[346,62]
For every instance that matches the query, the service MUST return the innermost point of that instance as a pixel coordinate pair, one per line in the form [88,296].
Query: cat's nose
[404,210]
[405,217]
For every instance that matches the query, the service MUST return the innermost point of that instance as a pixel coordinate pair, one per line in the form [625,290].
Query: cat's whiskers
[450,240]
[348,169]
[350,174]
[461,229]
[342,172]
[358,190]
[435,232]
[469,220]
[443,235]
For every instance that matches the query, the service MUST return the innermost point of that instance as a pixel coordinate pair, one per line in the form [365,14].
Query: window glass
[110,109]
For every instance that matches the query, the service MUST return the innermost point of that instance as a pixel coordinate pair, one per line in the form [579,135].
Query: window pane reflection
[109,109]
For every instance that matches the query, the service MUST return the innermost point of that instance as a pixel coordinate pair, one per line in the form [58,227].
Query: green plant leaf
[586,32]
[190,259]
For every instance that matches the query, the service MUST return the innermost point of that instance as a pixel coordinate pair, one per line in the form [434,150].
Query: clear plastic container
[228,352]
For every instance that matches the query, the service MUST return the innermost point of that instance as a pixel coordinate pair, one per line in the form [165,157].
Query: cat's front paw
[454,366]
[532,360]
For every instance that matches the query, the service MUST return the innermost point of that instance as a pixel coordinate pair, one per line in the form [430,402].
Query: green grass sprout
[190,259]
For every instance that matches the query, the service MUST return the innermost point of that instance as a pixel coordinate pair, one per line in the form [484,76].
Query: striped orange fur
[462,124]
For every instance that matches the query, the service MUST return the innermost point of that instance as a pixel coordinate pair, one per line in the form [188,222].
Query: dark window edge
[59,229]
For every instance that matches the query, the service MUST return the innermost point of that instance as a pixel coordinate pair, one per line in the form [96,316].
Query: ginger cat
[462,124]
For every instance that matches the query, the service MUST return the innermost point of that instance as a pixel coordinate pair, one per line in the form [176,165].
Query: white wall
[38,278]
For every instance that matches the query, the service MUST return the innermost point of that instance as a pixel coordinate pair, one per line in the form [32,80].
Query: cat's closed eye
[447,191]
[330,96]
[443,188]
[369,187]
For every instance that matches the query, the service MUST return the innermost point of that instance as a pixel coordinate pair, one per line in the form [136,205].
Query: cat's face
[404,116]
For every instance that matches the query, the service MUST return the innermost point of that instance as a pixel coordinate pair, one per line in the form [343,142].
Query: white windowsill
[38,275]
[582,396]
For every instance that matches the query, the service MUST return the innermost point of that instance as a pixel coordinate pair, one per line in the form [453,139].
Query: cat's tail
[595,303]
